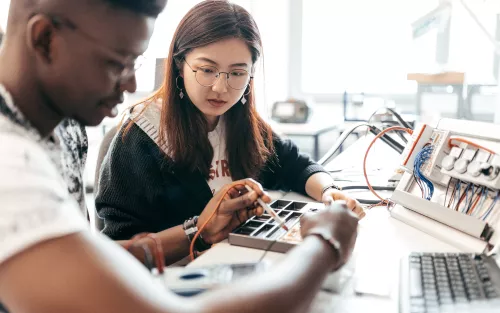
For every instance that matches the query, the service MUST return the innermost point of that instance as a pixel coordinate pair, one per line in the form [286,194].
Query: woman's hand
[332,195]
[237,206]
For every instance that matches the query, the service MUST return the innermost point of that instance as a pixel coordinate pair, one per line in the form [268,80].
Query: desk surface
[381,243]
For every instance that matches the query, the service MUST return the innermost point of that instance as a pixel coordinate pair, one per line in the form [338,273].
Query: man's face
[83,77]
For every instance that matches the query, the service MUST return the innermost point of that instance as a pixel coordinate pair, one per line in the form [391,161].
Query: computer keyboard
[440,279]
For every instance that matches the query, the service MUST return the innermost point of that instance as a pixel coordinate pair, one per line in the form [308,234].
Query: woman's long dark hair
[183,127]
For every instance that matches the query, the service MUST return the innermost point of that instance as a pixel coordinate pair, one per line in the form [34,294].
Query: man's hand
[237,206]
[337,221]
[332,195]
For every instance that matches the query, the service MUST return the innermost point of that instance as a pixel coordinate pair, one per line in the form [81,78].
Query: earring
[244,100]
[181,94]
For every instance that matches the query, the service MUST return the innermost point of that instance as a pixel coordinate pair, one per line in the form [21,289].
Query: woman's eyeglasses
[209,75]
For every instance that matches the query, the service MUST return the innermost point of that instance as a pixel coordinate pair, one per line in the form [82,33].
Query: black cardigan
[138,192]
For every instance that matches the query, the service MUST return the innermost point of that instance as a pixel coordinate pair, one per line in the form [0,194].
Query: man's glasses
[125,66]
[209,75]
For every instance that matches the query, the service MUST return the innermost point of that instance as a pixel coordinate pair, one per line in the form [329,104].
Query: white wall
[4,10]
[272,20]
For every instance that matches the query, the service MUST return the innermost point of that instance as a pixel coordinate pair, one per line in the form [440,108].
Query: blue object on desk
[188,282]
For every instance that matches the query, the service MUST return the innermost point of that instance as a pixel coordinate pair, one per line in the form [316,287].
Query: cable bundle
[477,201]
[425,184]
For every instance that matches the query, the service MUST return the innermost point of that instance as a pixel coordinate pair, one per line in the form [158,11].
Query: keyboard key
[418,309]
[417,302]
[445,300]
[415,284]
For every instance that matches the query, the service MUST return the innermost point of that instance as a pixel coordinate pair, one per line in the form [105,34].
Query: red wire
[409,131]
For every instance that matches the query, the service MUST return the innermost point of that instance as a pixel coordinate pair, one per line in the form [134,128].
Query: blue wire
[469,206]
[457,192]
[491,206]
[483,199]
[420,160]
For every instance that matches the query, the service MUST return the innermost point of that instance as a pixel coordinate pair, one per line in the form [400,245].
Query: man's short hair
[145,7]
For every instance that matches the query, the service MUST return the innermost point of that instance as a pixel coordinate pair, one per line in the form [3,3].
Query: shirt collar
[12,112]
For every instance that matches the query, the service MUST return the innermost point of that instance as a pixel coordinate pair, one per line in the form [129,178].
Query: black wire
[401,121]
[375,130]
[366,201]
[399,118]
[337,144]
[401,135]
[361,187]
[380,188]
[387,139]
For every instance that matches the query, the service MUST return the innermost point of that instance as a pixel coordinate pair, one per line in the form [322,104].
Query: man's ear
[40,34]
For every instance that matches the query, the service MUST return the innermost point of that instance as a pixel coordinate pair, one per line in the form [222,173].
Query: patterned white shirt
[67,146]
[35,204]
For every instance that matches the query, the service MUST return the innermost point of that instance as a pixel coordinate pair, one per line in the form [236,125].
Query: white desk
[312,129]
[381,243]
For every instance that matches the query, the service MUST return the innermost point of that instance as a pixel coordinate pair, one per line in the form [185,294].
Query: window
[361,45]
[470,49]
[272,20]
[165,27]
[160,41]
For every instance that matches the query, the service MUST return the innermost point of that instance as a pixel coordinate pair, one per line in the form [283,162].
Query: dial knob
[474,168]
[461,166]
[448,162]
[491,172]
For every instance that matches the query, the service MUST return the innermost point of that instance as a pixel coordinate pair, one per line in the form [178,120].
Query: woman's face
[231,56]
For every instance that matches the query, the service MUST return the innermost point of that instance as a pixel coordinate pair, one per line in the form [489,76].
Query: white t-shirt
[219,168]
[35,204]
[149,121]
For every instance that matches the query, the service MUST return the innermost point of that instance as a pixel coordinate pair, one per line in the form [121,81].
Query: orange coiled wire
[191,247]
[409,131]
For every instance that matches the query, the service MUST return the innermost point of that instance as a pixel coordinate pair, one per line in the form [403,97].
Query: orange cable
[191,247]
[452,197]
[453,138]
[462,197]
[409,131]
[474,204]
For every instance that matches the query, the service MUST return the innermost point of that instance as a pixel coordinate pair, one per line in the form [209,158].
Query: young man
[74,59]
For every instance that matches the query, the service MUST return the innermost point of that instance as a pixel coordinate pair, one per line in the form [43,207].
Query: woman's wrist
[191,228]
[331,186]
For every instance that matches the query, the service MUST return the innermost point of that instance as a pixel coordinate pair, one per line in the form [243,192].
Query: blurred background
[328,63]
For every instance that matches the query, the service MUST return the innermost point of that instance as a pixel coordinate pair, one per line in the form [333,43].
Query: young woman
[197,133]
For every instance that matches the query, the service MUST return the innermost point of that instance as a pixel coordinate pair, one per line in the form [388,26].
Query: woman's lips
[217,103]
